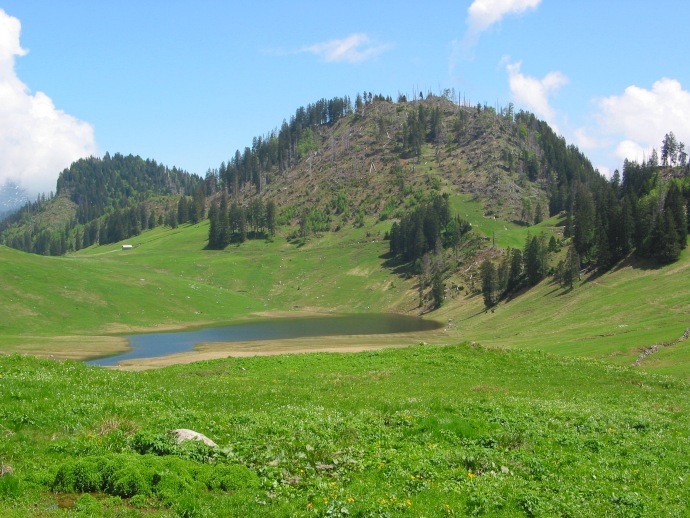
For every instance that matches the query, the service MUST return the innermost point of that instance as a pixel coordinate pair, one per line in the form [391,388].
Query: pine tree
[223,222]
[437,289]
[182,210]
[515,273]
[489,278]
[214,234]
[584,222]
[571,268]
[675,205]
[665,242]
[271,218]
[197,207]
[532,259]
[603,253]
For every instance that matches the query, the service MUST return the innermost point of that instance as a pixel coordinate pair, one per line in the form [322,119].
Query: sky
[188,83]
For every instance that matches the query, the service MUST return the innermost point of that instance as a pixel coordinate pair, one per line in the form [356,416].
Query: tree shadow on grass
[637,263]
[632,261]
[397,265]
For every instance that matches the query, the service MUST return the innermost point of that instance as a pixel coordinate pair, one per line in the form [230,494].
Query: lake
[162,344]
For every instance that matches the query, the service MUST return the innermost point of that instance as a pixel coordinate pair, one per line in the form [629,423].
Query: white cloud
[631,150]
[639,118]
[352,49]
[534,93]
[586,140]
[37,140]
[482,14]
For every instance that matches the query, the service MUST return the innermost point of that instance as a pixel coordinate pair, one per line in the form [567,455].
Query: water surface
[162,344]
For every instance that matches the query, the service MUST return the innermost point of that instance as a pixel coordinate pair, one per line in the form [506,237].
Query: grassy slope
[169,280]
[612,317]
[423,430]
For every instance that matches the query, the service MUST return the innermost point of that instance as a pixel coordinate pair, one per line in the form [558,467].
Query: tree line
[113,199]
[518,269]
[232,223]
[281,149]
[425,228]
[644,212]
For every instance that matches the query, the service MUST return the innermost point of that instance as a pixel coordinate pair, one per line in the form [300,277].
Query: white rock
[182,434]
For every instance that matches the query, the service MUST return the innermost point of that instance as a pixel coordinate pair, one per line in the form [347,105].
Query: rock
[6,469]
[182,434]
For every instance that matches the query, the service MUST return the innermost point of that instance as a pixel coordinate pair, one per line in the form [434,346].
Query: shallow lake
[162,344]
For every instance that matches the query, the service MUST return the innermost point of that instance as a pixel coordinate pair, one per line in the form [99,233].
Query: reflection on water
[162,344]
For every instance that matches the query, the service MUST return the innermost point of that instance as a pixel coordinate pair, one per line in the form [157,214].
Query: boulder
[182,434]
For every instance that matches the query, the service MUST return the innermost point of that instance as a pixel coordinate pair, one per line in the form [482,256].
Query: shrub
[87,505]
[233,477]
[9,485]
[144,442]
[81,475]
[169,485]
[130,481]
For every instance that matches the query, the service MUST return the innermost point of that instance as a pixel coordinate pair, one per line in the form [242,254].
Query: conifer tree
[489,278]
[271,218]
[675,205]
[214,235]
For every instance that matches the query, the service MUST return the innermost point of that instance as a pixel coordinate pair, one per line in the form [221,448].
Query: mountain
[375,157]
[126,191]
[12,197]
[337,163]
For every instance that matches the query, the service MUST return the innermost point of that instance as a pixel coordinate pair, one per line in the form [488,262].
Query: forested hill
[341,162]
[96,185]
[128,192]
[375,153]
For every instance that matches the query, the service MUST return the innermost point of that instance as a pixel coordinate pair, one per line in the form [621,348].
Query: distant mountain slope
[12,197]
[341,162]
[377,157]
[92,189]
[335,163]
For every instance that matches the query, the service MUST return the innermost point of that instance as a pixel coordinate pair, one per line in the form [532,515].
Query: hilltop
[341,162]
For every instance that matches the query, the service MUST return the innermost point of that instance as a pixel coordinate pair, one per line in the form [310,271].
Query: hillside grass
[512,422]
[66,306]
[612,317]
[505,234]
[80,306]
[421,431]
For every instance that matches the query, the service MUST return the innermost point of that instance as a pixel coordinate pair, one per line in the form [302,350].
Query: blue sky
[187,83]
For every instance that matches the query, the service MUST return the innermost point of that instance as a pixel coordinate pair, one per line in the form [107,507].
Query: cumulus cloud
[639,118]
[352,49]
[482,14]
[37,140]
[534,93]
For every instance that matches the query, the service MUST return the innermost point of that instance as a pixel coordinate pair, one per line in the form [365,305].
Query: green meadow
[532,409]
[420,431]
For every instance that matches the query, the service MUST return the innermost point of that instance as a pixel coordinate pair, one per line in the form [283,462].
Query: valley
[524,402]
